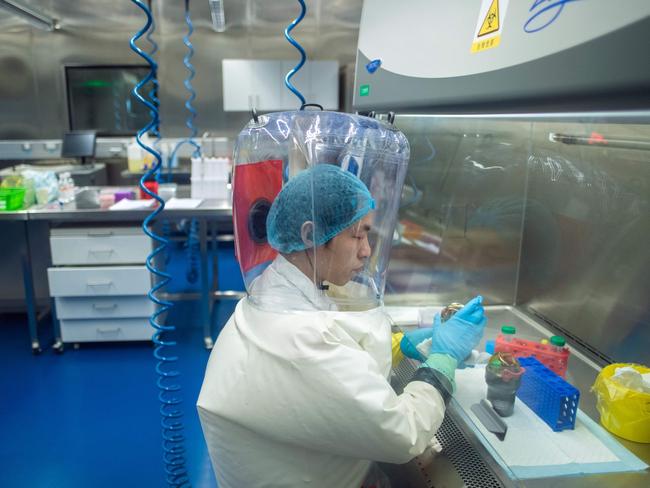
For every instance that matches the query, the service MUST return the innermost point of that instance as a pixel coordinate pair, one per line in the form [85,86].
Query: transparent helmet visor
[315,205]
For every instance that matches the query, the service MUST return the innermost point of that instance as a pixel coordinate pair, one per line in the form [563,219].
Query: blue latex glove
[410,341]
[461,333]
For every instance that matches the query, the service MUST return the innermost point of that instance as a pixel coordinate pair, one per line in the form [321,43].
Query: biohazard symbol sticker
[491,21]
[489,25]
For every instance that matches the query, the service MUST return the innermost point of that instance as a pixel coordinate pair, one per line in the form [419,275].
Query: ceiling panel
[237,12]
[124,15]
[95,14]
[9,22]
[282,12]
[342,12]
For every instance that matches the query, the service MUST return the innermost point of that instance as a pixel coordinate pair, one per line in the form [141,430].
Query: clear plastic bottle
[449,311]
[134,157]
[508,332]
[148,160]
[66,188]
[503,377]
[557,343]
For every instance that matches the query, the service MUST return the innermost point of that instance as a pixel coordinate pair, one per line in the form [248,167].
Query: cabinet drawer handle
[100,233]
[98,306]
[99,283]
[101,251]
[102,330]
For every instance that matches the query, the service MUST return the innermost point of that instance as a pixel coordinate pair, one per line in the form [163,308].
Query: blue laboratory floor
[89,417]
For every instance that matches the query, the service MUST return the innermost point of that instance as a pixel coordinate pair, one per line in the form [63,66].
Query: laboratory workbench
[214,220]
[218,209]
[466,462]
[16,215]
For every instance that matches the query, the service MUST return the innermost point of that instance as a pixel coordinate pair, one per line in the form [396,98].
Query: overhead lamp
[35,18]
[218,16]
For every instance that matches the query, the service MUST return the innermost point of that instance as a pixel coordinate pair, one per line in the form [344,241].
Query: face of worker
[346,253]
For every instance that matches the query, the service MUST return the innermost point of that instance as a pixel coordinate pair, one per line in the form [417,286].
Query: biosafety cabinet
[528,183]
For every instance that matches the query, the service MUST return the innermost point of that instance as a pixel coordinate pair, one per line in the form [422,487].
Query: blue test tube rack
[548,395]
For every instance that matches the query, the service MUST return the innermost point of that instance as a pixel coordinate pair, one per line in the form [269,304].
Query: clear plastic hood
[316,194]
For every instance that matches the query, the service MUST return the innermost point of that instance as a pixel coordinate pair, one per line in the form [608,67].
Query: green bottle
[558,343]
[508,332]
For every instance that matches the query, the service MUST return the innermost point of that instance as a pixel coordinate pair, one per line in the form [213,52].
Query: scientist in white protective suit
[296,391]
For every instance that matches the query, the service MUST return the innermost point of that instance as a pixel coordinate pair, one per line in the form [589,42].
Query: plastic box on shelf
[11,198]
[552,356]
[210,189]
[548,395]
[210,178]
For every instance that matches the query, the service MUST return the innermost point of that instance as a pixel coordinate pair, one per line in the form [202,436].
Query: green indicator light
[96,84]
[364,90]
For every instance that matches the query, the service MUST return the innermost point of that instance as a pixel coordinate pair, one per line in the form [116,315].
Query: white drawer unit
[71,247]
[99,281]
[99,330]
[103,307]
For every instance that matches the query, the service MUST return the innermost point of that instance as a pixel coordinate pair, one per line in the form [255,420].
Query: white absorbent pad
[532,450]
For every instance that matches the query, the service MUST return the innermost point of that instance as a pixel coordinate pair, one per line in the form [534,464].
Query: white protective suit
[302,398]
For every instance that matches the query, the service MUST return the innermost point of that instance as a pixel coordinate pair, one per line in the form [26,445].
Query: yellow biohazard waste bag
[623,411]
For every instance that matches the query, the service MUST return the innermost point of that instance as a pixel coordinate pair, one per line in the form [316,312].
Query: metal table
[22,216]
[15,215]
[211,214]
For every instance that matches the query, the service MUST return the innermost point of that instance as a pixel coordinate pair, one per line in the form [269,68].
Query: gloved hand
[461,333]
[412,339]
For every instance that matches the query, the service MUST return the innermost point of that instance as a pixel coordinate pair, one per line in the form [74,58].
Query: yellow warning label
[491,20]
[489,25]
[486,44]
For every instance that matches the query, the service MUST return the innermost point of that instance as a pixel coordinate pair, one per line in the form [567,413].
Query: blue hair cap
[332,198]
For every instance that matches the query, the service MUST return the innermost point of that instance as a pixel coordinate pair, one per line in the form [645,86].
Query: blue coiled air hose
[189,122]
[169,390]
[187,61]
[303,55]
[153,96]
[192,248]
[153,93]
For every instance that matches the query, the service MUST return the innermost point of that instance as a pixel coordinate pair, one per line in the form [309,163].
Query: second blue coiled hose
[153,96]
[193,251]
[192,273]
[153,93]
[187,61]
[189,122]
[303,55]
[169,390]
